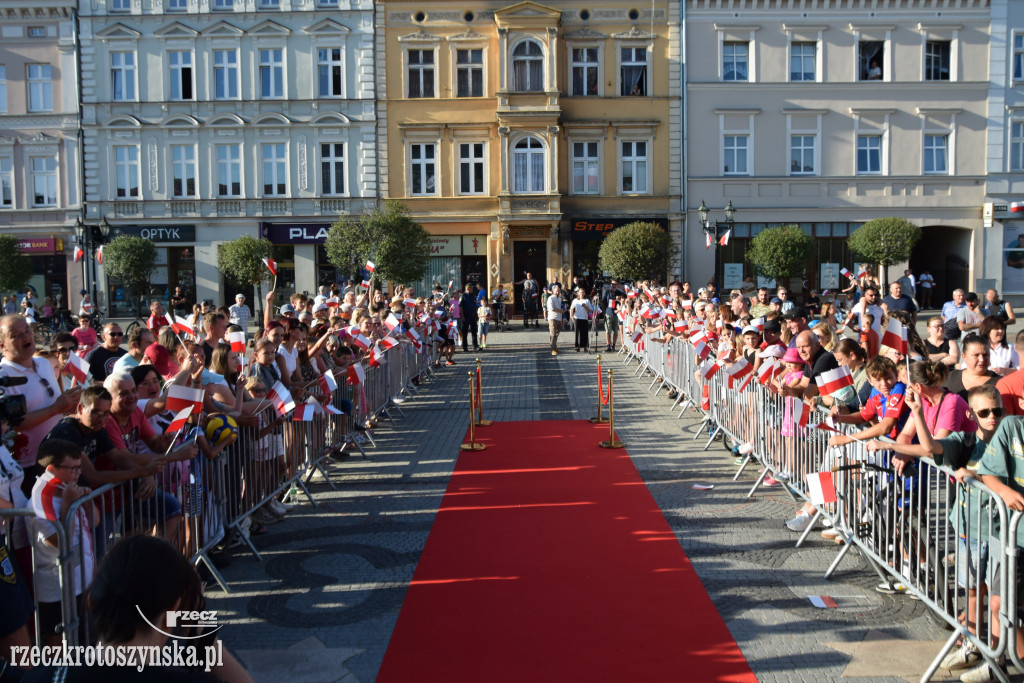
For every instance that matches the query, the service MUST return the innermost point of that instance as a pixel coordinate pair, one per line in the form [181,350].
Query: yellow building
[519,134]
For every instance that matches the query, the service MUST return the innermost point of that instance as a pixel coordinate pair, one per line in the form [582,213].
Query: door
[528,257]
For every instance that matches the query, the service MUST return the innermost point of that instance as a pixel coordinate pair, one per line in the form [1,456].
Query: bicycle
[48,328]
[140,319]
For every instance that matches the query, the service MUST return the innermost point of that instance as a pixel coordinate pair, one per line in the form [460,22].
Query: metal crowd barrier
[922,533]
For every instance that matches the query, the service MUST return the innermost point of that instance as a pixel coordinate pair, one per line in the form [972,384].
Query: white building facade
[206,120]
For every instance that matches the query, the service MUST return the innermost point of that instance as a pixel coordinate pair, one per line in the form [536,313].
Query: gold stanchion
[472,445]
[612,442]
[599,420]
[480,421]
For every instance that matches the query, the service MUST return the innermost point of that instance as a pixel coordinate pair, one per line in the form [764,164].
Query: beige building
[518,134]
[40,158]
[828,114]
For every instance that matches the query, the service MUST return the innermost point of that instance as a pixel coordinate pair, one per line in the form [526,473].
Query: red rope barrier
[600,392]
[477,403]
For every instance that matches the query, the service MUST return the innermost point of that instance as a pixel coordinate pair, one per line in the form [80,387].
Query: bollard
[472,445]
[480,421]
[600,397]
[612,442]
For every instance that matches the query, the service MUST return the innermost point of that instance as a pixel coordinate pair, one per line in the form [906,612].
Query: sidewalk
[323,603]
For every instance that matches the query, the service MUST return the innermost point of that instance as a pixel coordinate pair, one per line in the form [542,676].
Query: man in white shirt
[555,308]
[239,313]
[321,295]
[867,304]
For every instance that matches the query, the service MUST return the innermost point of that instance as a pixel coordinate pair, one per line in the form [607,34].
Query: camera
[12,408]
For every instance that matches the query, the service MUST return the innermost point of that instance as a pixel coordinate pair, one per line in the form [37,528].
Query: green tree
[637,251]
[242,259]
[15,267]
[132,260]
[780,253]
[398,246]
[884,241]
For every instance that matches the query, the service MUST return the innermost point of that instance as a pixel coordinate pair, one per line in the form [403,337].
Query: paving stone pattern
[322,604]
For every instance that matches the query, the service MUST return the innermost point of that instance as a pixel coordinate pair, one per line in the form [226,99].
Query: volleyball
[219,428]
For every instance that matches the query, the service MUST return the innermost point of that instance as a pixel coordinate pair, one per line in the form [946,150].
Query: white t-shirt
[580,309]
[555,307]
[862,308]
[40,377]
[48,504]
[291,358]
[1003,357]
[11,477]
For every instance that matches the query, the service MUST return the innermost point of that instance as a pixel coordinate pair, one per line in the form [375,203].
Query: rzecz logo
[180,619]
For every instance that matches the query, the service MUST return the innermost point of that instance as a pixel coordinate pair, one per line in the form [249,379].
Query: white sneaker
[830,534]
[962,657]
[800,522]
[398,399]
[279,507]
[979,674]
[745,449]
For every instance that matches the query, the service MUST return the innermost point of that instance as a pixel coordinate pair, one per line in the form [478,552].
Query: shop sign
[474,245]
[295,233]
[40,245]
[446,245]
[595,229]
[159,233]
[732,275]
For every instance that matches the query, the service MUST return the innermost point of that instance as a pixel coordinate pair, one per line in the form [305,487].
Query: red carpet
[550,561]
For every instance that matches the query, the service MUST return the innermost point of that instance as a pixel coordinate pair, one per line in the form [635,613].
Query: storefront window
[173,265]
[326,272]
[285,257]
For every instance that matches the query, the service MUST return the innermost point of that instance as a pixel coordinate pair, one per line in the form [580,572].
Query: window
[469,73]
[120,5]
[471,168]
[36,31]
[869,154]
[126,172]
[269,4]
[529,161]
[802,59]
[871,59]
[734,61]
[633,71]
[936,60]
[272,73]
[3,88]
[634,167]
[801,154]
[1017,145]
[329,71]
[183,171]
[584,71]
[332,168]
[180,65]
[421,73]
[424,169]
[40,87]
[275,170]
[936,154]
[122,76]
[735,147]
[223,4]
[527,67]
[177,5]
[225,74]
[328,3]
[229,170]
[6,183]
[1018,56]
[586,168]
[44,181]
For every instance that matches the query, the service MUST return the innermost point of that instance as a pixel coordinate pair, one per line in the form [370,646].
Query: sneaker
[398,399]
[739,460]
[277,508]
[800,522]
[449,362]
[745,449]
[984,672]
[483,346]
[892,589]
[963,657]
[768,481]
[782,476]
[830,534]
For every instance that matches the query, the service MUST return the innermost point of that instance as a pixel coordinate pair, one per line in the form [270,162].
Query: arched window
[528,67]
[528,157]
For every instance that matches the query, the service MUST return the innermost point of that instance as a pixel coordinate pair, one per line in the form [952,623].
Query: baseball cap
[240,296]
[750,329]
[775,300]
[319,307]
[773,326]
[159,357]
[794,313]
[287,308]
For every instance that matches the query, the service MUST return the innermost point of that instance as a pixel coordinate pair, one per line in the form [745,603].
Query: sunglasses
[46,385]
[66,349]
[115,334]
[75,468]
[985,412]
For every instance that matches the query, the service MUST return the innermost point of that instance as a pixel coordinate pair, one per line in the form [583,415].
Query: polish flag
[331,410]
[707,240]
[99,255]
[180,397]
[366,283]
[410,302]
[820,488]
[645,311]
[370,267]
[738,370]
[412,334]
[327,382]
[863,272]
[745,382]
[769,368]
[391,322]
[271,265]
[181,325]
[759,323]
[679,326]
[79,254]
[827,425]
[361,341]
[372,360]
[304,413]
[631,294]
[78,368]
[724,239]
[237,341]
[846,272]
[895,336]
[701,348]
[1016,207]
[709,369]
[356,374]
[832,381]
[637,336]
[179,420]
[687,304]
[281,398]
[388,343]
[798,410]
[333,302]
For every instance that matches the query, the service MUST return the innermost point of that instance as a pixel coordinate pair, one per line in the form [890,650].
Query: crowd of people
[97,411]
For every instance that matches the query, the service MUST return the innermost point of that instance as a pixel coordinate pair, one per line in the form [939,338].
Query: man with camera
[25,375]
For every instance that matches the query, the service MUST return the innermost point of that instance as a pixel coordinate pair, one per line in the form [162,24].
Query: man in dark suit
[467,323]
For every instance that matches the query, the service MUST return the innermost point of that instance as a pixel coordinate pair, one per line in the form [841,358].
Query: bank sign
[295,233]
[595,229]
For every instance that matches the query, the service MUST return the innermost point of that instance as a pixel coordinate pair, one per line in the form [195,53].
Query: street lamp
[713,230]
[89,239]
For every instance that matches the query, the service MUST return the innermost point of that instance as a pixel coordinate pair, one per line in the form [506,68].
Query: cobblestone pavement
[323,602]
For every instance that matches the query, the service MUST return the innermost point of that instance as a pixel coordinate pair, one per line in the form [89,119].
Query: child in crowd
[884,410]
[868,337]
[483,322]
[85,335]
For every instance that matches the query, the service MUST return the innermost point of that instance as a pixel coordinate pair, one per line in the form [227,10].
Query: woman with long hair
[1003,358]
[944,411]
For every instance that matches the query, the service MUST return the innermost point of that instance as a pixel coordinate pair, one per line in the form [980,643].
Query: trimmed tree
[636,251]
[387,235]
[15,267]
[132,260]
[242,259]
[780,253]
[884,241]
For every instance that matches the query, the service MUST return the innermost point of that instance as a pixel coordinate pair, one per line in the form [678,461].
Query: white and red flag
[820,488]
[707,240]
[738,370]
[237,341]
[388,343]
[304,412]
[863,272]
[271,265]
[180,325]
[709,369]
[687,304]
[180,397]
[679,326]
[637,336]
[361,341]
[327,382]
[724,239]
[78,368]
[79,254]
[391,322]
[769,368]
[1016,207]
[798,411]
[179,420]
[702,348]
[99,255]
[759,323]
[895,336]
[846,273]
[370,266]
[333,302]
[410,302]
[331,410]
[356,374]
[366,283]
[281,398]
[834,380]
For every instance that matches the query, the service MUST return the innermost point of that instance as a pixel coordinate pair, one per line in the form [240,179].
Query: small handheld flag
[271,265]
[370,266]
[820,488]
[237,340]
[834,380]
[895,336]
[180,397]
[179,420]
[709,369]
[356,374]
[78,368]
[281,398]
